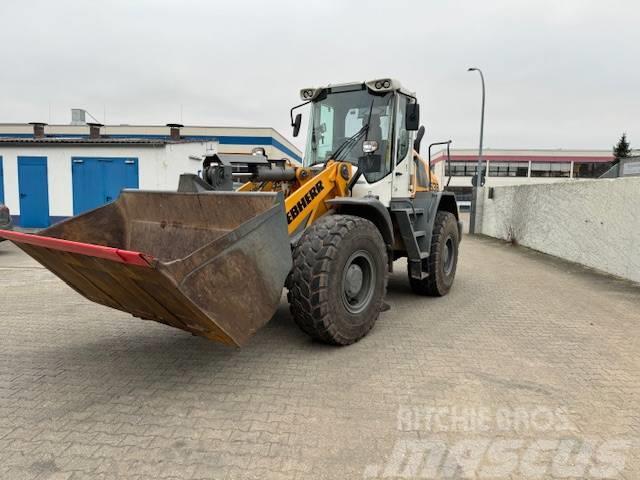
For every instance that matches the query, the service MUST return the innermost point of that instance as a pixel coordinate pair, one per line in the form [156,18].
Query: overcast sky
[559,73]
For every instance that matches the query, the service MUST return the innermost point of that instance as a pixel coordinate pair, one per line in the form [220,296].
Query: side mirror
[416,142]
[296,124]
[412,121]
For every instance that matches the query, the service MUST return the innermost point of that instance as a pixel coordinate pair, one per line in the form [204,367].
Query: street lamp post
[478,183]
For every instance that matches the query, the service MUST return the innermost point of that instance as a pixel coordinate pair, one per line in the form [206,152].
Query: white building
[51,172]
[514,167]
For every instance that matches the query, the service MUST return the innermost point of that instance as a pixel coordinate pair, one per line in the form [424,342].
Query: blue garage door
[1,182]
[34,191]
[97,181]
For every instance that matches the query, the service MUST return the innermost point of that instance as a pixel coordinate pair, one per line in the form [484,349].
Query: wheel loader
[213,257]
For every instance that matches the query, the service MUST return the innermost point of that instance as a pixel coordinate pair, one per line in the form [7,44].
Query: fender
[447,202]
[366,207]
[432,203]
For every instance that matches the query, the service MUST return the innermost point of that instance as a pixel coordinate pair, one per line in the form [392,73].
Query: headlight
[382,85]
[307,93]
[369,146]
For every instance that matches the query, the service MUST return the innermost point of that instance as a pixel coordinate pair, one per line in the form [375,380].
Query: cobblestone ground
[525,350]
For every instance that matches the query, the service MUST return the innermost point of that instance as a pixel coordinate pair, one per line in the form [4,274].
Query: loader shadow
[138,353]
[141,352]
[398,286]
[164,366]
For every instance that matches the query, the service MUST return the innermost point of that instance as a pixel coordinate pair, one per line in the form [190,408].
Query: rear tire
[443,258]
[339,279]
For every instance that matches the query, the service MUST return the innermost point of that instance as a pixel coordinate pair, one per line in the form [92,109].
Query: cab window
[402,146]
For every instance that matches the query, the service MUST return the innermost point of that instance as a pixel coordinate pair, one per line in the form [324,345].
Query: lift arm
[308,201]
[306,190]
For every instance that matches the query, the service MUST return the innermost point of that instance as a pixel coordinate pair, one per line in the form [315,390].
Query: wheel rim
[449,256]
[358,281]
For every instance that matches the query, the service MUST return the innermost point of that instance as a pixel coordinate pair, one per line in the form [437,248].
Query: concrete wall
[592,222]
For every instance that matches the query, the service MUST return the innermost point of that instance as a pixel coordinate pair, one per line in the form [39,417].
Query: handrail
[448,144]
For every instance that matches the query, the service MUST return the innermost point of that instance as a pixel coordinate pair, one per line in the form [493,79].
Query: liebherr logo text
[304,202]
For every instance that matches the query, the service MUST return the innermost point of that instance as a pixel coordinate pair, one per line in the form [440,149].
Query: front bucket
[212,264]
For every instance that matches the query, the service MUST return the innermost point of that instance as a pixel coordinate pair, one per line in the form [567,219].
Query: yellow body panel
[306,196]
[308,200]
[434,181]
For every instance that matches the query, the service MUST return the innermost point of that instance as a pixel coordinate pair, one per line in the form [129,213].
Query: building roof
[154,142]
[259,136]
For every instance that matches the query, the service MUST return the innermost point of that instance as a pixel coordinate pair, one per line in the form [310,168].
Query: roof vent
[174,131]
[94,129]
[38,129]
[78,116]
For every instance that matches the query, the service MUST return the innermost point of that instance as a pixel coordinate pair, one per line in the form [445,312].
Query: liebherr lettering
[304,202]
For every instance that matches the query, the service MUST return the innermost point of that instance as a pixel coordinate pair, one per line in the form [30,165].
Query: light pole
[478,183]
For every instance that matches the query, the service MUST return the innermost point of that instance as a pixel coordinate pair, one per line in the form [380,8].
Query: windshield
[342,121]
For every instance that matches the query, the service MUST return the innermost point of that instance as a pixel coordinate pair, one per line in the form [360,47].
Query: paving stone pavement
[541,349]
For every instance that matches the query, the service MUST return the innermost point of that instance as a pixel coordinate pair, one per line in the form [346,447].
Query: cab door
[382,189]
[403,150]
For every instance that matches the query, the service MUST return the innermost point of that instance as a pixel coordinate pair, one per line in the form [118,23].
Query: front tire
[443,258]
[339,279]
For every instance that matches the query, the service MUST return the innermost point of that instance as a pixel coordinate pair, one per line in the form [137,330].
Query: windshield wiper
[350,142]
[346,146]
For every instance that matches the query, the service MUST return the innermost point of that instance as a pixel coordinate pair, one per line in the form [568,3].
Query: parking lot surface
[525,349]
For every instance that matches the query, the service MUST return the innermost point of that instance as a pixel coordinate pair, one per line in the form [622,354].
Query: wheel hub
[354,278]
[358,282]
[449,255]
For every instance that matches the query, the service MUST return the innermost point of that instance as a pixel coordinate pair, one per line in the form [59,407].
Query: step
[411,211]
[415,269]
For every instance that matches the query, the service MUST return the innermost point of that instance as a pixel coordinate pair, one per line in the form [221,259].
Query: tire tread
[433,285]
[313,255]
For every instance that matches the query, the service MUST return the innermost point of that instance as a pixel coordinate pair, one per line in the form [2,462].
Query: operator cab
[367,124]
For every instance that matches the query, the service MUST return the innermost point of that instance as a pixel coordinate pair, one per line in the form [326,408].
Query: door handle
[23,195]
[109,199]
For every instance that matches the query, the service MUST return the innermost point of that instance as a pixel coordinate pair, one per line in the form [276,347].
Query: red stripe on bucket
[108,253]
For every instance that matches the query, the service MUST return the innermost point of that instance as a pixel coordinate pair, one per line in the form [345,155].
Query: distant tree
[622,149]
